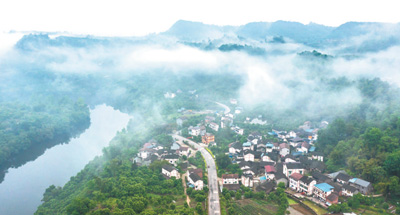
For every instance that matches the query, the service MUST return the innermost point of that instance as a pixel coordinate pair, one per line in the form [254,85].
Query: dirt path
[184,188]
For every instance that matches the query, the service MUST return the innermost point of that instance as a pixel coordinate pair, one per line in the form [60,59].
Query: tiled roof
[296,176]
[269,169]
[324,187]
[227,176]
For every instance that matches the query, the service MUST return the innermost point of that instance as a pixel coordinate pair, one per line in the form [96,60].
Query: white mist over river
[22,189]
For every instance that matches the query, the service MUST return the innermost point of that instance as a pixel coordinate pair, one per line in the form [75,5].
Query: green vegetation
[37,125]
[114,185]
[318,209]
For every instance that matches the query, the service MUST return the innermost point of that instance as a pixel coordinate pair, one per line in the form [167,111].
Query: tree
[238,195]
[223,161]
[392,163]
[199,208]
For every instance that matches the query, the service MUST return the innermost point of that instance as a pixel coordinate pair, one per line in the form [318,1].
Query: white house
[170,171]
[172,159]
[235,147]
[322,190]
[270,172]
[290,168]
[196,181]
[294,181]
[230,178]
[248,156]
[184,151]
[307,185]
[348,190]
[247,180]
[283,151]
[194,131]
[214,126]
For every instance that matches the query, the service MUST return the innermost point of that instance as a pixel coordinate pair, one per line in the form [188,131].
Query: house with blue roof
[362,186]
[246,146]
[269,147]
[322,190]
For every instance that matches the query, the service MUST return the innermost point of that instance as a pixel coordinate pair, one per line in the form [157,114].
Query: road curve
[227,109]
[213,196]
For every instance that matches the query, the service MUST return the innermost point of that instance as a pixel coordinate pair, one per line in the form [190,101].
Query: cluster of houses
[152,151]
[291,160]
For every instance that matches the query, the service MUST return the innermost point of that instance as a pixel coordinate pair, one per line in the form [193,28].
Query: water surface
[22,189]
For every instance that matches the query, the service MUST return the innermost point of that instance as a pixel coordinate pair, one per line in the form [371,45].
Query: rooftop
[324,187]
[229,176]
[269,169]
[296,176]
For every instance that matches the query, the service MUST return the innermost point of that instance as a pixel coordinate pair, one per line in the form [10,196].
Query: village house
[170,171]
[195,181]
[235,147]
[184,151]
[175,146]
[197,171]
[230,181]
[304,147]
[290,159]
[238,110]
[247,180]
[290,168]
[306,185]
[332,198]
[284,149]
[269,147]
[249,155]
[322,190]
[294,181]
[194,131]
[342,178]
[317,156]
[203,130]
[268,157]
[230,178]
[172,159]
[270,172]
[348,190]
[207,138]
[247,146]
[226,121]
[362,186]
[237,130]
[295,141]
[214,126]
[145,152]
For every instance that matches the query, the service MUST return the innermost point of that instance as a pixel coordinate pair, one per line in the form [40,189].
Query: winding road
[227,109]
[213,196]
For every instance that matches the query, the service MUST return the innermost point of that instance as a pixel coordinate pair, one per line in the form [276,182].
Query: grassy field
[292,202]
[254,207]
[315,207]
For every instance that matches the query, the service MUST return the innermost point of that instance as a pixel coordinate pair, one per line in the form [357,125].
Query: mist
[102,69]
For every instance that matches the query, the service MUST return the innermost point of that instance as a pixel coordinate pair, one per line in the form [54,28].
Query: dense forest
[28,129]
[366,142]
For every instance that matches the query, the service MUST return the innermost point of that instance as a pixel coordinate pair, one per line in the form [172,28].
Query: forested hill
[28,129]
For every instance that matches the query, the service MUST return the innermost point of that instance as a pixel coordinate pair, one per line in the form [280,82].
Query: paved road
[213,196]
[227,109]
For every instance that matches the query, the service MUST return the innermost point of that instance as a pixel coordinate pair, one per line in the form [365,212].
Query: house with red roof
[294,181]
[270,172]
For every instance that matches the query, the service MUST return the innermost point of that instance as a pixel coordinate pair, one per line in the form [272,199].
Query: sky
[138,18]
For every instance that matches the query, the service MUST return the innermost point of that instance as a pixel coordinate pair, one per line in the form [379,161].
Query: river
[22,189]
